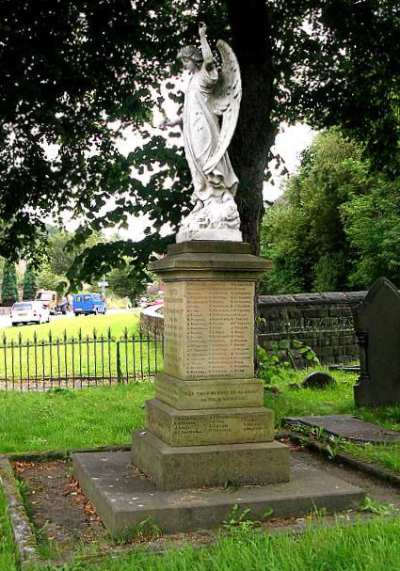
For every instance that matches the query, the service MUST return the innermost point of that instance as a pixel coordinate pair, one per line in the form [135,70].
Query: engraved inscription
[209,329]
[174,329]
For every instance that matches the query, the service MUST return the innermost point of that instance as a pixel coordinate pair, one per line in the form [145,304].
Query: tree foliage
[29,283]
[76,74]
[337,225]
[372,225]
[124,282]
[9,290]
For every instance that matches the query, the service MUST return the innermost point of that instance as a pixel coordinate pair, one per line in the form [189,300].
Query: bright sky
[290,142]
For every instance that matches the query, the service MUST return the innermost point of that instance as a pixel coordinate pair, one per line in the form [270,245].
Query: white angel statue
[210,113]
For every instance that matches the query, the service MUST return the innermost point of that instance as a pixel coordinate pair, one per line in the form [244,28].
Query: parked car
[88,303]
[48,298]
[24,312]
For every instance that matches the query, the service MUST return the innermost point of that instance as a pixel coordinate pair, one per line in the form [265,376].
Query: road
[5,320]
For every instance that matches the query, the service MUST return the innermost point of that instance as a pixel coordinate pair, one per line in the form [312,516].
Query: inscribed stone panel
[209,329]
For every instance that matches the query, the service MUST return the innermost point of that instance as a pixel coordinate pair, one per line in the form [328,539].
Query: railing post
[119,370]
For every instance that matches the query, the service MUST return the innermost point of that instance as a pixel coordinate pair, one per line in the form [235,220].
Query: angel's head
[191,58]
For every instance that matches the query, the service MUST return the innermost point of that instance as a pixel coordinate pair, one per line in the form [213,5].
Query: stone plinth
[207,425]
[209,329]
[175,467]
[124,499]
[212,426]
[209,393]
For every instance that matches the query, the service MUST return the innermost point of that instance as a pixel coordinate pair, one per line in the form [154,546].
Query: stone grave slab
[348,427]
[124,497]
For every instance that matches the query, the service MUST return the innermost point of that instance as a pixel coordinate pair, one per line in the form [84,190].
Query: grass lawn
[362,547]
[63,419]
[106,415]
[336,400]
[372,546]
[116,322]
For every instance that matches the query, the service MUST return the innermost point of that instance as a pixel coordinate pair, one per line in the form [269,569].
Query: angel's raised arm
[205,47]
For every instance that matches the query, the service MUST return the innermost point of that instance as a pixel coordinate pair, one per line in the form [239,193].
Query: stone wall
[323,321]
[151,321]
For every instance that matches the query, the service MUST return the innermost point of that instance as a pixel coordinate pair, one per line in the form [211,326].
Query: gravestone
[377,325]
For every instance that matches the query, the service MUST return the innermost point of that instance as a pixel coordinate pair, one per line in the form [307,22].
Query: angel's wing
[225,101]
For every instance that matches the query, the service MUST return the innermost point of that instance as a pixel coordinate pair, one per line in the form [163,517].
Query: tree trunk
[255,132]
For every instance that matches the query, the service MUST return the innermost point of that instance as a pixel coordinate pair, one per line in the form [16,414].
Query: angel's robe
[201,132]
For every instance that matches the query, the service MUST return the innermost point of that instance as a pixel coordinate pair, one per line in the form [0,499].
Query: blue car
[88,304]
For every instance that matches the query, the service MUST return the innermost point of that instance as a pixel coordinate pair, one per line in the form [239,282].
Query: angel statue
[210,113]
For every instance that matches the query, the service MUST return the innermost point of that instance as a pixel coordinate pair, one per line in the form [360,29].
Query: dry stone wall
[323,321]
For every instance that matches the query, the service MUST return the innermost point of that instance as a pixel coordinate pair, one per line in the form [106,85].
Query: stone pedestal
[207,425]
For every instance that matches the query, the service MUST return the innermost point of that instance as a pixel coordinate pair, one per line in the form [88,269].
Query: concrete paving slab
[124,497]
[348,427]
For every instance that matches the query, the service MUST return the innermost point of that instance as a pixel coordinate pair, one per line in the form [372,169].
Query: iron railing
[43,363]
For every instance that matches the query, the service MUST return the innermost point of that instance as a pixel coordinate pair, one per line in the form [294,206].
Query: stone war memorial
[208,445]
[376,322]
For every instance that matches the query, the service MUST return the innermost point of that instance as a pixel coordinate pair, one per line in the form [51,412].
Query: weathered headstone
[377,325]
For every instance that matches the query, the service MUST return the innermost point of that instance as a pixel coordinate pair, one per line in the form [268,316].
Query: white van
[29,312]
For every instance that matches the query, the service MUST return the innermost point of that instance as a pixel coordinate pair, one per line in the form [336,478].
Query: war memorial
[208,444]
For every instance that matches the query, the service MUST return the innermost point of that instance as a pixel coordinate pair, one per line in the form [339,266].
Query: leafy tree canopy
[125,283]
[75,74]
[9,290]
[337,225]
[29,283]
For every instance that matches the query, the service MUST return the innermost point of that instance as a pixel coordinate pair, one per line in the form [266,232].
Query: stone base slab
[123,498]
[172,468]
[203,394]
[212,426]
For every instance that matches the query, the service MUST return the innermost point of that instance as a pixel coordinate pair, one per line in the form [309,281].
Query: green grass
[71,419]
[336,400]
[369,546]
[7,547]
[107,415]
[117,322]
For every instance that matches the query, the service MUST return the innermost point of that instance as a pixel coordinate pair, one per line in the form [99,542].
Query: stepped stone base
[211,426]
[173,468]
[203,394]
[123,498]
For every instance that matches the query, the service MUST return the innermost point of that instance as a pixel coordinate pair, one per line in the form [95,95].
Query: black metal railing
[43,363]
